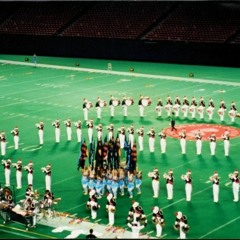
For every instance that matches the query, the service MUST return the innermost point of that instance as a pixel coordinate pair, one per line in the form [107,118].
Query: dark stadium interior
[163,31]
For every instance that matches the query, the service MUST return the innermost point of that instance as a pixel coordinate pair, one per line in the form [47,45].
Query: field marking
[222,226]
[132,74]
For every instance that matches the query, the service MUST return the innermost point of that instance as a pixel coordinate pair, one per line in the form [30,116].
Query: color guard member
[138,181]
[56,125]
[235,185]
[188,186]
[158,220]
[215,180]
[15,133]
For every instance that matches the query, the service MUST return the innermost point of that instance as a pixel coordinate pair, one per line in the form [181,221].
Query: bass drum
[103,104]
[89,105]
[146,101]
[116,102]
[129,102]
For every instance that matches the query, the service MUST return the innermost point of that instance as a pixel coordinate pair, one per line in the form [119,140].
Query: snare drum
[176,107]
[209,110]
[220,111]
[146,101]
[184,108]
[102,104]
[116,102]
[232,113]
[192,108]
[89,105]
[129,102]
[200,109]
[168,107]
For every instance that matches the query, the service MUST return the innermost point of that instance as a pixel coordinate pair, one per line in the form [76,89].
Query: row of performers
[7,164]
[184,105]
[137,219]
[26,210]
[116,180]
[193,107]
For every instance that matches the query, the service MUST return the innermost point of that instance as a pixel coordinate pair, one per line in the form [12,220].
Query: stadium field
[55,88]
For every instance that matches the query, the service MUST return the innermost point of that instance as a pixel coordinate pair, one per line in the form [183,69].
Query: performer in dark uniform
[172,121]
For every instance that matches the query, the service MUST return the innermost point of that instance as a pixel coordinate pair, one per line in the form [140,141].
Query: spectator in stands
[90,235]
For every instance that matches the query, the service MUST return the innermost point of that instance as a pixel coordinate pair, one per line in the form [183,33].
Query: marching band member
[222,110]
[201,108]
[31,209]
[40,127]
[85,109]
[185,106]
[29,169]
[7,171]
[136,228]
[188,186]
[98,108]
[85,179]
[136,214]
[163,142]
[68,125]
[90,130]
[111,106]
[99,131]
[177,105]
[226,143]
[183,136]
[110,129]
[124,107]
[151,139]
[18,166]
[159,107]
[111,209]
[47,171]
[29,192]
[181,224]
[233,111]
[3,143]
[140,133]
[138,181]
[92,204]
[215,180]
[168,106]
[169,184]
[131,135]
[235,185]
[78,126]
[193,107]
[140,106]
[56,125]
[121,132]
[210,109]
[198,137]
[158,220]
[172,122]
[15,133]
[155,182]
[213,140]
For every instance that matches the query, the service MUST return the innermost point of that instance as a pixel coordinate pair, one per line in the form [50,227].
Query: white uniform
[92,204]
[121,132]
[85,110]
[183,136]
[110,129]
[56,124]
[98,108]
[40,127]
[212,139]
[159,107]
[141,107]
[131,136]
[99,132]
[155,182]
[111,208]
[68,125]
[140,133]
[7,171]
[15,133]
[47,171]
[169,184]
[111,106]
[163,142]
[29,169]
[215,181]
[201,108]
[226,143]
[188,186]
[151,139]
[3,143]
[90,130]
[136,228]
[158,220]
[78,126]
[18,167]
[193,107]
[198,137]
[124,107]
[235,185]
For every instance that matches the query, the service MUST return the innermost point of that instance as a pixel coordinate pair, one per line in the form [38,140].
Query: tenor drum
[200,109]
[176,107]
[220,111]
[209,110]
[184,108]
[129,102]
[192,108]
[89,105]
[167,107]
[103,104]
[232,113]
[146,101]
[116,102]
